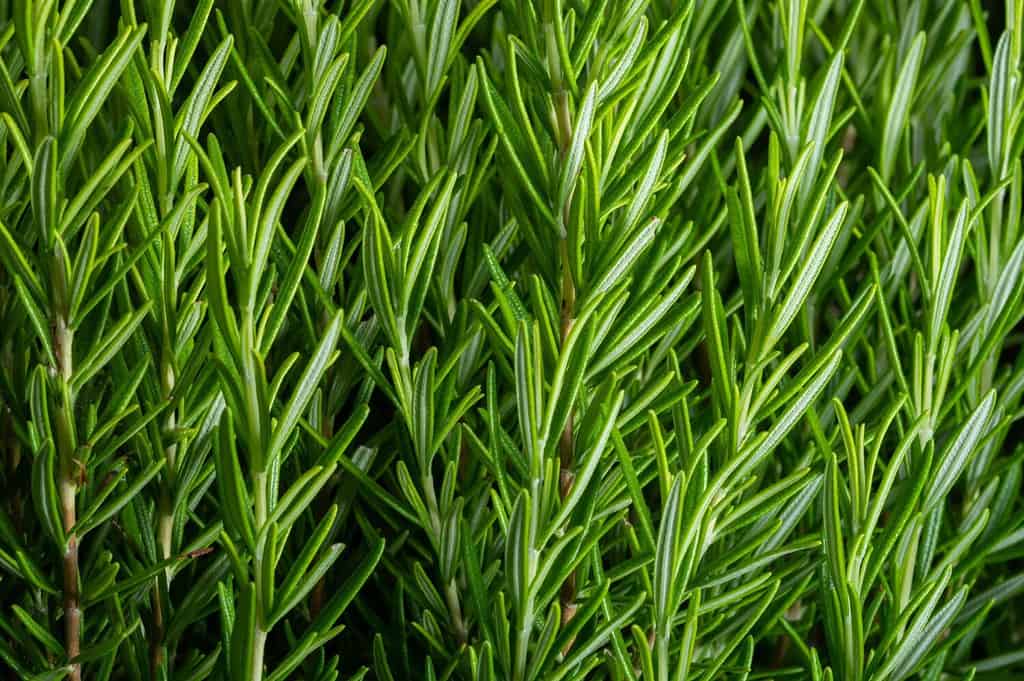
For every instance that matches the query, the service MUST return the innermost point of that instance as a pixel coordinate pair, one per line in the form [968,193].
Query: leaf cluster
[494,340]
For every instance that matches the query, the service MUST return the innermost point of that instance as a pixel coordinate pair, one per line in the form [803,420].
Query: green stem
[68,487]
[260,498]
[259,636]
[566,453]
[259,641]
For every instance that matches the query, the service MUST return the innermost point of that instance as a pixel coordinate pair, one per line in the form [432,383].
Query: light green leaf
[899,108]
[958,452]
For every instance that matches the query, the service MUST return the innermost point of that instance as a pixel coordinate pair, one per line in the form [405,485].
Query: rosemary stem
[68,487]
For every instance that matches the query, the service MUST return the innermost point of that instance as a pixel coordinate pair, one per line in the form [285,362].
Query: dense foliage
[511,340]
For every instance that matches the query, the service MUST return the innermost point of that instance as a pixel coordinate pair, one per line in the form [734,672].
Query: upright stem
[565,443]
[327,431]
[156,645]
[564,136]
[259,638]
[260,498]
[259,641]
[63,338]
[566,453]
[165,521]
[165,530]
[72,598]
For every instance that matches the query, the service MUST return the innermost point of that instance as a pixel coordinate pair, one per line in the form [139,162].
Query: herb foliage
[493,340]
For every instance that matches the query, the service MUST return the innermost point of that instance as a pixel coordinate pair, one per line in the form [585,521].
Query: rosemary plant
[496,340]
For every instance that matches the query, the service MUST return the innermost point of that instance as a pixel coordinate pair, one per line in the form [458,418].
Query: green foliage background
[509,340]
